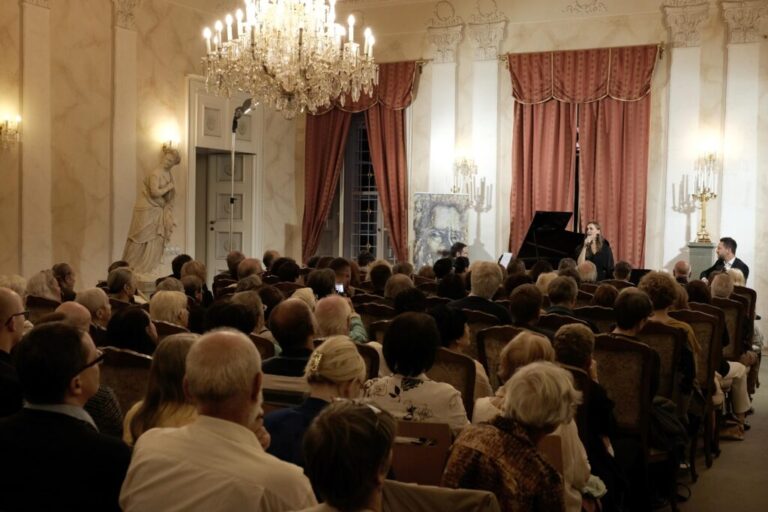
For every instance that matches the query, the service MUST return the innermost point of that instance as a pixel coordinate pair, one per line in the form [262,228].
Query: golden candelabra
[704,191]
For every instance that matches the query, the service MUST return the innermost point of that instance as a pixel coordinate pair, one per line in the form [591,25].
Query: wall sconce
[464,172]
[170,144]
[10,131]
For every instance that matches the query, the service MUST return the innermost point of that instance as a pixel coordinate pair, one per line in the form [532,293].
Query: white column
[123,186]
[740,142]
[680,218]
[36,224]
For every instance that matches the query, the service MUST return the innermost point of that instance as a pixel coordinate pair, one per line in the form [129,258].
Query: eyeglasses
[22,313]
[99,359]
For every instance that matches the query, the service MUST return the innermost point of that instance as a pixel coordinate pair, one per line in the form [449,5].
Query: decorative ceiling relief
[444,31]
[486,29]
[125,13]
[685,21]
[585,7]
[744,20]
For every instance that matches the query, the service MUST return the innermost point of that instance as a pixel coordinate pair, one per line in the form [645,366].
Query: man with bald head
[216,462]
[77,315]
[249,267]
[293,326]
[335,316]
[12,315]
[97,303]
[682,272]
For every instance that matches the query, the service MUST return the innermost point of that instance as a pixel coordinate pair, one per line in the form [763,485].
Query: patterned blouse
[501,458]
[418,399]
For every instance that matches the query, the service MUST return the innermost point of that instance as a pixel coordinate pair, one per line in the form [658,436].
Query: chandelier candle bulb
[207,36]
[219,26]
[229,21]
[351,21]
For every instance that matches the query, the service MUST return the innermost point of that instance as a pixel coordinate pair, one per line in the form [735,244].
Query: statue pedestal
[146,283]
[701,256]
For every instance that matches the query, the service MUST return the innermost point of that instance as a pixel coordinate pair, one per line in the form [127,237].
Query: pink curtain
[385,120]
[610,89]
[543,161]
[324,149]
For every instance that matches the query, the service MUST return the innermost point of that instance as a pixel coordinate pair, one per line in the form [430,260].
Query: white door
[218,242]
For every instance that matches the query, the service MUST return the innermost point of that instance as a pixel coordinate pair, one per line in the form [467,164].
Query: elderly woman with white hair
[169,307]
[500,456]
[44,285]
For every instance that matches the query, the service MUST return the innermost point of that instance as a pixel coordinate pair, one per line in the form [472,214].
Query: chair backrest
[603,318]
[127,373]
[583,298]
[553,321]
[429,288]
[709,333]
[420,452]
[551,448]
[417,280]
[367,286]
[265,347]
[734,312]
[165,329]
[38,307]
[378,329]
[619,285]
[400,496]
[367,298]
[270,279]
[477,321]
[435,301]
[625,368]
[750,295]
[503,303]
[371,312]
[588,287]
[457,370]
[668,342]
[490,342]
[287,287]
[371,358]
[219,285]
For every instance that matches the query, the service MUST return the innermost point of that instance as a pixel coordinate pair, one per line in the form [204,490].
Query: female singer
[597,250]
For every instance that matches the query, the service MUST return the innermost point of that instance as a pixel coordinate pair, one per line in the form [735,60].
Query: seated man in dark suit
[97,303]
[485,280]
[525,305]
[293,326]
[233,260]
[562,292]
[726,259]
[12,315]
[53,456]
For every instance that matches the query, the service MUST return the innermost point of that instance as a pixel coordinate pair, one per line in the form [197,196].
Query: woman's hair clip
[314,362]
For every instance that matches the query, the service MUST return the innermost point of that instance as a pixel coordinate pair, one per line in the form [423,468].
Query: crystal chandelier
[290,55]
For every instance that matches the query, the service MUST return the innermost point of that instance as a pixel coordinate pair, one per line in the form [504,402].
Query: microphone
[240,111]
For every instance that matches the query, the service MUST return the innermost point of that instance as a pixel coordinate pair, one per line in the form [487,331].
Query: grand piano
[547,239]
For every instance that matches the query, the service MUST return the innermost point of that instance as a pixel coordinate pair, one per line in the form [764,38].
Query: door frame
[196,86]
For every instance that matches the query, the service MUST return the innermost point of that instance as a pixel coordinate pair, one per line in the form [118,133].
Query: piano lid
[548,239]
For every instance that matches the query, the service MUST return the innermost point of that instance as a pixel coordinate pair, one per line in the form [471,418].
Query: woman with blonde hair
[334,370]
[169,307]
[524,349]
[164,404]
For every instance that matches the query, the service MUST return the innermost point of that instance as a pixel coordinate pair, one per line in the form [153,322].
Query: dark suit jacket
[290,363]
[10,389]
[52,461]
[720,265]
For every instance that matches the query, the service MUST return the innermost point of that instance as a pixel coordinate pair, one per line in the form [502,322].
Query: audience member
[250,283]
[164,404]
[451,287]
[322,282]
[16,283]
[605,295]
[726,259]
[486,279]
[500,456]
[681,271]
[65,276]
[410,346]
[404,268]
[410,299]
[572,273]
[252,300]
[587,271]
[324,261]
[379,274]
[170,284]
[364,259]
[538,268]
[44,285]
[12,315]
[525,305]
[427,271]
[288,271]
[233,261]
[566,263]
[293,326]
[454,335]
[721,285]
[270,255]
[737,276]
[51,448]
[270,297]
[131,328]
[514,280]
[121,285]
[249,267]
[442,268]
[76,314]
[215,462]
[312,261]
[97,303]
[396,284]
[307,296]
[170,308]
[197,269]
[459,249]
[698,291]
[335,317]
[348,450]
[343,273]
[562,293]
[177,263]
[355,279]
[516,266]
[335,370]
[193,289]
[542,282]
[460,265]
[229,314]
[622,271]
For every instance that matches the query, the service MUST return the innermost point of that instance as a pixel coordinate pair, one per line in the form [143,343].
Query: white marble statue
[152,222]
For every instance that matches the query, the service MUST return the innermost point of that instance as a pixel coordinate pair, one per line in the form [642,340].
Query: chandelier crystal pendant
[290,55]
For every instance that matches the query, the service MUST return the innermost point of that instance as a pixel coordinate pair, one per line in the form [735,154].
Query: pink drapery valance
[583,76]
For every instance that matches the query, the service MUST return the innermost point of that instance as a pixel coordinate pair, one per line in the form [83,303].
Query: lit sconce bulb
[351,22]
[18,119]
[228,19]
[239,18]
[370,47]
[219,26]
[207,35]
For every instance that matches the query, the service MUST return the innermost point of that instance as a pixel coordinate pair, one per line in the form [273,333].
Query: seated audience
[233,260]
[681,271]
[410,299]
[379,273]
[132,328]
[454,335]
[253,301]
[364,259]
[307,296]
[427,271]
[451,287]
[622,271]
[348,451]
[197,269]
[516,266]
[404,268]
[396,284]
[587,271]
[737,276]
[486,279]
[294,327]
[605,295]
[312,262]
[343,273]
[249,267]
[500,456]
[250,283]
[410,346]
[193,289]
[572,273]
[54,458]
[97,303]
[334,371]
[42,295]
[170,284]
[164,404]
[542,282]
[442,268]
[513,281]
[566,263]
[121,286]
[177,263]
[16,283]
[562,293]
[541,267]
[287,271]
[229,314]
[335,317]
[65,276]
[525,305]
[524,349]
[322,282]
[216,462]
[270,297]
[324,261]
[170,308]
[698,291]
[269,256]
[12,315]
[460,265]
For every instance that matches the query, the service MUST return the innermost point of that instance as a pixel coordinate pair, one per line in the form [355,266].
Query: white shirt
[418,399]
[210,464]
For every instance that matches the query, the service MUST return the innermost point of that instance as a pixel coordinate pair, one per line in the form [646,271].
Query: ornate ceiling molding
[585,7]
[45,4]
[125,13]
[744,20]
[486,30]
[444,31]
[685,21]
